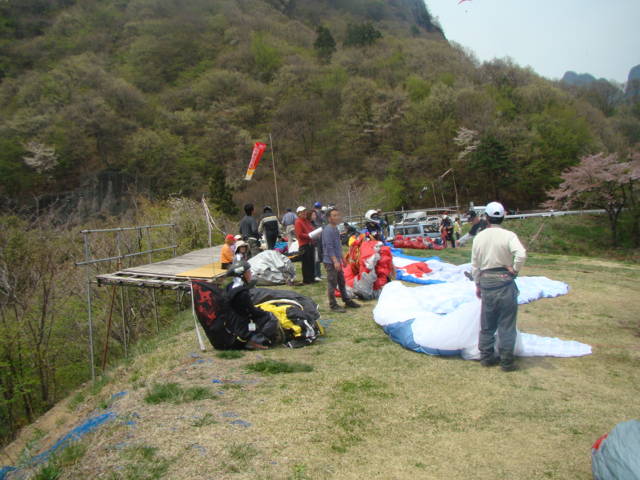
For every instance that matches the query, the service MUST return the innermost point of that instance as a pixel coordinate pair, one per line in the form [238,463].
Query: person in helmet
[496,258]
[372,225]
[261,329]
[447,229]
[270,227]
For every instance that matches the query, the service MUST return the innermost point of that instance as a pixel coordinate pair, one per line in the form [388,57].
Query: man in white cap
[496,258]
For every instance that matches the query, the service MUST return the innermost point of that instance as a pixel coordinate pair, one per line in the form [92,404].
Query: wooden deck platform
[173,273]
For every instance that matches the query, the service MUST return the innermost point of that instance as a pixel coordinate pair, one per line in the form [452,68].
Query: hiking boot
[337,309]
[508,367]
[490,361]
[351,304]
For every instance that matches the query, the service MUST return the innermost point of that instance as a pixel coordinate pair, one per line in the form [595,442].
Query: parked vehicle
[415,230]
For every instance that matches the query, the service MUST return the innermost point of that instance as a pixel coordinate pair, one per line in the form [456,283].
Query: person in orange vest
[226,254]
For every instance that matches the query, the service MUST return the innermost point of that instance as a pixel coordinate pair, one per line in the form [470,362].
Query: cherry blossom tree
[599,181]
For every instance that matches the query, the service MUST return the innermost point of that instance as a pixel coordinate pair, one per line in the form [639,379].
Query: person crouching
[226,254]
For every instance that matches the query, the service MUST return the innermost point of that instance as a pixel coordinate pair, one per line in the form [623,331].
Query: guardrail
[558,213]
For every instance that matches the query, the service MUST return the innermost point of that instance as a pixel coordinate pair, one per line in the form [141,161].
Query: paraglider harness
[225,327]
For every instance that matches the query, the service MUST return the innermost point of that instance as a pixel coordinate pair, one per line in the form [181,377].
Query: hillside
[368,409]
[116,98]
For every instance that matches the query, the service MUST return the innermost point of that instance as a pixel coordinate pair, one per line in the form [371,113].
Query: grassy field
[358,406]
[586,235]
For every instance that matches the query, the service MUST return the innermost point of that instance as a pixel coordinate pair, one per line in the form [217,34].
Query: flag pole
[275,177]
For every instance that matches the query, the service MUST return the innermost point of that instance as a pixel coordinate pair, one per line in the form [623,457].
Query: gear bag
[224,328]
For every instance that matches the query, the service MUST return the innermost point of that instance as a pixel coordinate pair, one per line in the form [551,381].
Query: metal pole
[106,340]
[349,197]
[124,318]
[195,318]
[89,319]
[153,291]
[275,178]
[173,240]
[175,254]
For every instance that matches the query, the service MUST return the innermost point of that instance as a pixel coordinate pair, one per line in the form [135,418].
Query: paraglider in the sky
[462,1]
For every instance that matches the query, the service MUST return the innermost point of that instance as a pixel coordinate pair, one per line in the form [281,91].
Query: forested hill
[161,96]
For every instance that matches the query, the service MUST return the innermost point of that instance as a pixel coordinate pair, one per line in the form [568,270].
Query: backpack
[224,328]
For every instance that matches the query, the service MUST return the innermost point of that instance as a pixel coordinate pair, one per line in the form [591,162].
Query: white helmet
[494,210]
[369,216]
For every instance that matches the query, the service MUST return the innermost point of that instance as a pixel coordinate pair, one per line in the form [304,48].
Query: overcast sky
[601,37]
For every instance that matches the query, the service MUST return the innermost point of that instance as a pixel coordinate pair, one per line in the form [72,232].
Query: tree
[220,193]
[490,159]
[598,181]
[633,191]
[361,35]
[266,57]
[325,44]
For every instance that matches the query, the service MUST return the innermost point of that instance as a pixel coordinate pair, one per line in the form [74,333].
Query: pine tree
[325,44]
[220,193]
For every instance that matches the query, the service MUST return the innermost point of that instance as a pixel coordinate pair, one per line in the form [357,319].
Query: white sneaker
[318,279]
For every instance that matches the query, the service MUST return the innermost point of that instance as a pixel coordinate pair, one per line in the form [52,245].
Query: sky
[600,37]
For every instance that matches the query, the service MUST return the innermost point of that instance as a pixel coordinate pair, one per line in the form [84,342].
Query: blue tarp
[86,427]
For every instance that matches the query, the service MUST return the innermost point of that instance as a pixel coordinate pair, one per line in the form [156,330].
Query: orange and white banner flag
[258,151]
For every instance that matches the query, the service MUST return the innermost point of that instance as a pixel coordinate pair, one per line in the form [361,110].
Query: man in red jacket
[303,228]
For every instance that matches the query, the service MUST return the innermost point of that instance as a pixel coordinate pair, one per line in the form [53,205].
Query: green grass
[56,465]
[240,456]
[142,463]
[50,471]
[204,421]
[272,367]
[583,235]
[230,354]
[174,393]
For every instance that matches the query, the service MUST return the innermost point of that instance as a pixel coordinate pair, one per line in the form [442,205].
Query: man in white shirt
[496,258]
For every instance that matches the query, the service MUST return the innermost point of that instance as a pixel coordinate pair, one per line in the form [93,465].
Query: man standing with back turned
[496,258]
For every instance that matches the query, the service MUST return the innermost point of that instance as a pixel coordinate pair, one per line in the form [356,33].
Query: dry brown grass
[372,410]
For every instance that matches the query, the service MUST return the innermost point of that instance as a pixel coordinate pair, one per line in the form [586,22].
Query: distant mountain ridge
[578,79]
[633,83]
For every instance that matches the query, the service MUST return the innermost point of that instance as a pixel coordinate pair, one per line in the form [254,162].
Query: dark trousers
[335,279]
[271,240]
[499,313]
[308,263]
